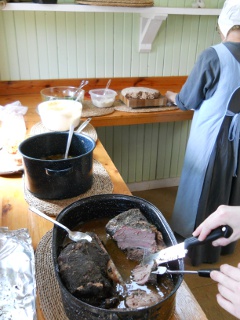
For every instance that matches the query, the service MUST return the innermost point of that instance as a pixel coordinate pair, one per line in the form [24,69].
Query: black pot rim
[56,133]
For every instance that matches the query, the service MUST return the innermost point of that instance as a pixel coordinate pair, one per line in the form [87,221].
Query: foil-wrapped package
[17,276]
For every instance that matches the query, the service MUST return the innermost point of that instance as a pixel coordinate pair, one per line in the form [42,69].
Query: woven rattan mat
[47,285]
[102,184]
[89,130]
[148,109]
[118,3]
[89,110]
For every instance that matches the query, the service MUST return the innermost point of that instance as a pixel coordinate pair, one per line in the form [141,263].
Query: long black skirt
[220,187]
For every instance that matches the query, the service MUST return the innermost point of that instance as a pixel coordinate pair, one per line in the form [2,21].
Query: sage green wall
[147,152]
[43,45]
[52,45]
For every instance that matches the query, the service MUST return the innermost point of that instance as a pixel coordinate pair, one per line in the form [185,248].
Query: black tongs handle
[201,272]
[205,272]
[223,231]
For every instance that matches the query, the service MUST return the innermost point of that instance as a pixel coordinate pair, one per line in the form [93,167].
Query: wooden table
[15,214]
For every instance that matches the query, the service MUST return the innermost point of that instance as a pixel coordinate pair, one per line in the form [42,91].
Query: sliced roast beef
[141,274]
[134,234]
[141,299]
[88,272]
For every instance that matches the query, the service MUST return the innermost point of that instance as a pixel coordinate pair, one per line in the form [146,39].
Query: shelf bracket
[149,26]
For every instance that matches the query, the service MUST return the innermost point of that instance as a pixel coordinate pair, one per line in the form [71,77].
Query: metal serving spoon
[73,235]
[83,83]
[83,125]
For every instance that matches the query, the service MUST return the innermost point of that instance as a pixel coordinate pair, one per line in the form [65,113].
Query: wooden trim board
[153,184]
[162,84]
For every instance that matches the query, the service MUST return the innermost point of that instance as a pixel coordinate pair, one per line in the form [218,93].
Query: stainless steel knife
[180,250]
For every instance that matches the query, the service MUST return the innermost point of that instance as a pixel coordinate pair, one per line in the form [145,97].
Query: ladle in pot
[73,235]
[70,133]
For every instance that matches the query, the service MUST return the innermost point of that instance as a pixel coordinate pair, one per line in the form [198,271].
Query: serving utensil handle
[83,125]
[202,272]
[223,231]
[43,215]
[205,272]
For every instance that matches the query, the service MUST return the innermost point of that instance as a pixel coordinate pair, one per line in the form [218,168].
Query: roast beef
[141,274]
[140,299]
[134,234]
[88,272]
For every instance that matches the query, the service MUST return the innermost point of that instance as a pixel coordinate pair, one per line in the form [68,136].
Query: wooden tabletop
[117,118]
[15,214]
[28,93]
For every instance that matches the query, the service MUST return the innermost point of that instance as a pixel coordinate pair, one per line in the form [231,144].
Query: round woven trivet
[102,184]
[89,110]
[47,286]
[89,130]
[148,109]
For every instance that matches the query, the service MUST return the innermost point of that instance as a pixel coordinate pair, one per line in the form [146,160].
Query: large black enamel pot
[108,206]
[57,179]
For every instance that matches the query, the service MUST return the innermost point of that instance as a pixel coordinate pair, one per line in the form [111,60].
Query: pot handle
[63,172]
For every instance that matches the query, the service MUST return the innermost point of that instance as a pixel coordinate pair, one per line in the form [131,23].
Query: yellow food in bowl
[58,115]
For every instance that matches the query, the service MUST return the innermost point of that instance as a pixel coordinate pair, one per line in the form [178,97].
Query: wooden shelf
[29,6]
[151,18]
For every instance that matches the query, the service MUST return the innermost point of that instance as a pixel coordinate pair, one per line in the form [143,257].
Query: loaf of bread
[140,93]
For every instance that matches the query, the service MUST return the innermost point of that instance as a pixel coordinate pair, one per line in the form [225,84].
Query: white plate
[8,164]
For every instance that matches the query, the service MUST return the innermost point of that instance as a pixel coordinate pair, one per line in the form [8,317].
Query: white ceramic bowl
[57,115]
[102,98]
[62,92]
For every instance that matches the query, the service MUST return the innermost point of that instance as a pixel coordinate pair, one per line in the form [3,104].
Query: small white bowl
[102,98]
[57,115]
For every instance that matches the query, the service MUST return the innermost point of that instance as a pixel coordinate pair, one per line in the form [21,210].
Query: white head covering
[229,16]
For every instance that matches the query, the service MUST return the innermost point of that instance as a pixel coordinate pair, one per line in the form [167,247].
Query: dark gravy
[55,157]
